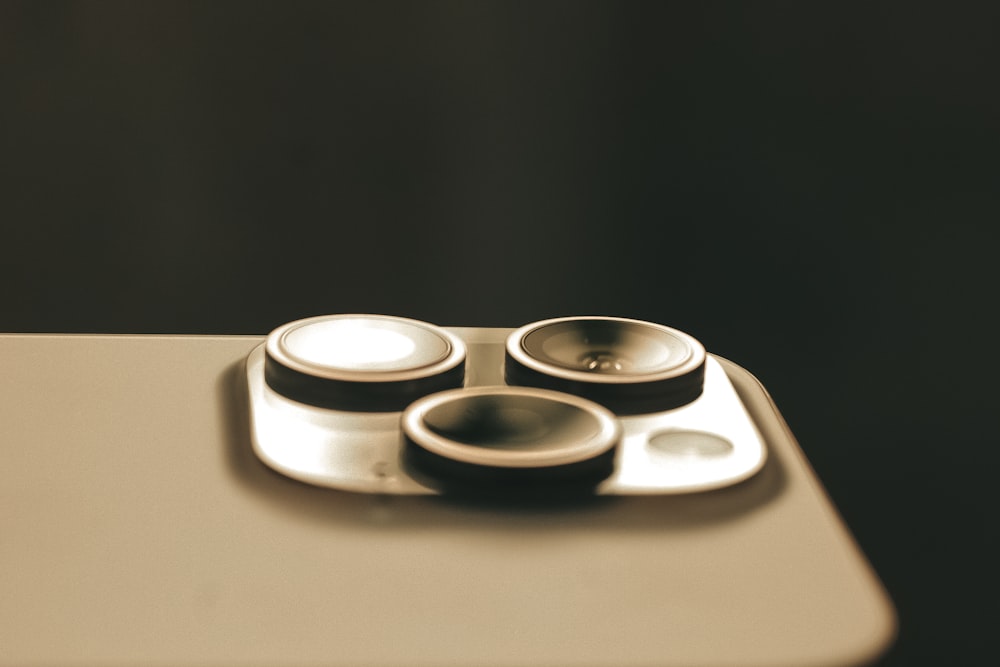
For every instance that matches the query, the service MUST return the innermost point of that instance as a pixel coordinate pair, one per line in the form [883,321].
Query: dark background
[810,189]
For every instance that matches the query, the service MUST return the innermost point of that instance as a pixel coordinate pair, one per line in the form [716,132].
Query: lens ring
[630,366]
[509,438]
[362,362]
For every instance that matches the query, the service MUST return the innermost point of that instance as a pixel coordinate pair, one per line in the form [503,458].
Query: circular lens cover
[509,438]
[362,362]
[630,366]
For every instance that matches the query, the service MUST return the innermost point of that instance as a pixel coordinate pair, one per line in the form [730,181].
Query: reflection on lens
[362,362]
[604,362]
[630,366]
[607,346]
[492,424]
[363,345]
[509,439]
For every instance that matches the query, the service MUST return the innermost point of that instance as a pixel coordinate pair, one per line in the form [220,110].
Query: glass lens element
[512,423]
[606,347]
[365,345]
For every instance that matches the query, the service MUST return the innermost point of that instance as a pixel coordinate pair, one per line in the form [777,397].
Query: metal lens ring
[511,440]
[367,363]
[629,366]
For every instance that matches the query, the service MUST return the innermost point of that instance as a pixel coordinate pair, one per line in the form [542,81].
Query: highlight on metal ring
[630,366]
[509,440]
[365,363]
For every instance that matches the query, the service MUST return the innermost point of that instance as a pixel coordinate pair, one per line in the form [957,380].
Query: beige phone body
[138,527]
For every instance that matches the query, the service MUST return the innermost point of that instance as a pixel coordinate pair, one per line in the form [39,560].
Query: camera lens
[629,366]
[514,440]
[372,363]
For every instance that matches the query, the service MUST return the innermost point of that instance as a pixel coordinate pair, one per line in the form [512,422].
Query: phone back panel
[137,526]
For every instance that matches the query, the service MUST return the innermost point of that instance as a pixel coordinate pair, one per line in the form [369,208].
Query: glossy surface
[140,528]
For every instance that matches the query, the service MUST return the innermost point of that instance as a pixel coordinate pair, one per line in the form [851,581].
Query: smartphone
[141,524]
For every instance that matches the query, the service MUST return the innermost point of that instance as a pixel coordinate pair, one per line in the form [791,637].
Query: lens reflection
[365,344]
[628,366]
[605,362]
[600,346]
[367,363]
[511,423]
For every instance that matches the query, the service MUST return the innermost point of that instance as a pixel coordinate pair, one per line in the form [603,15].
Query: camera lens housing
[510,440]
[365,363]
[629,366]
